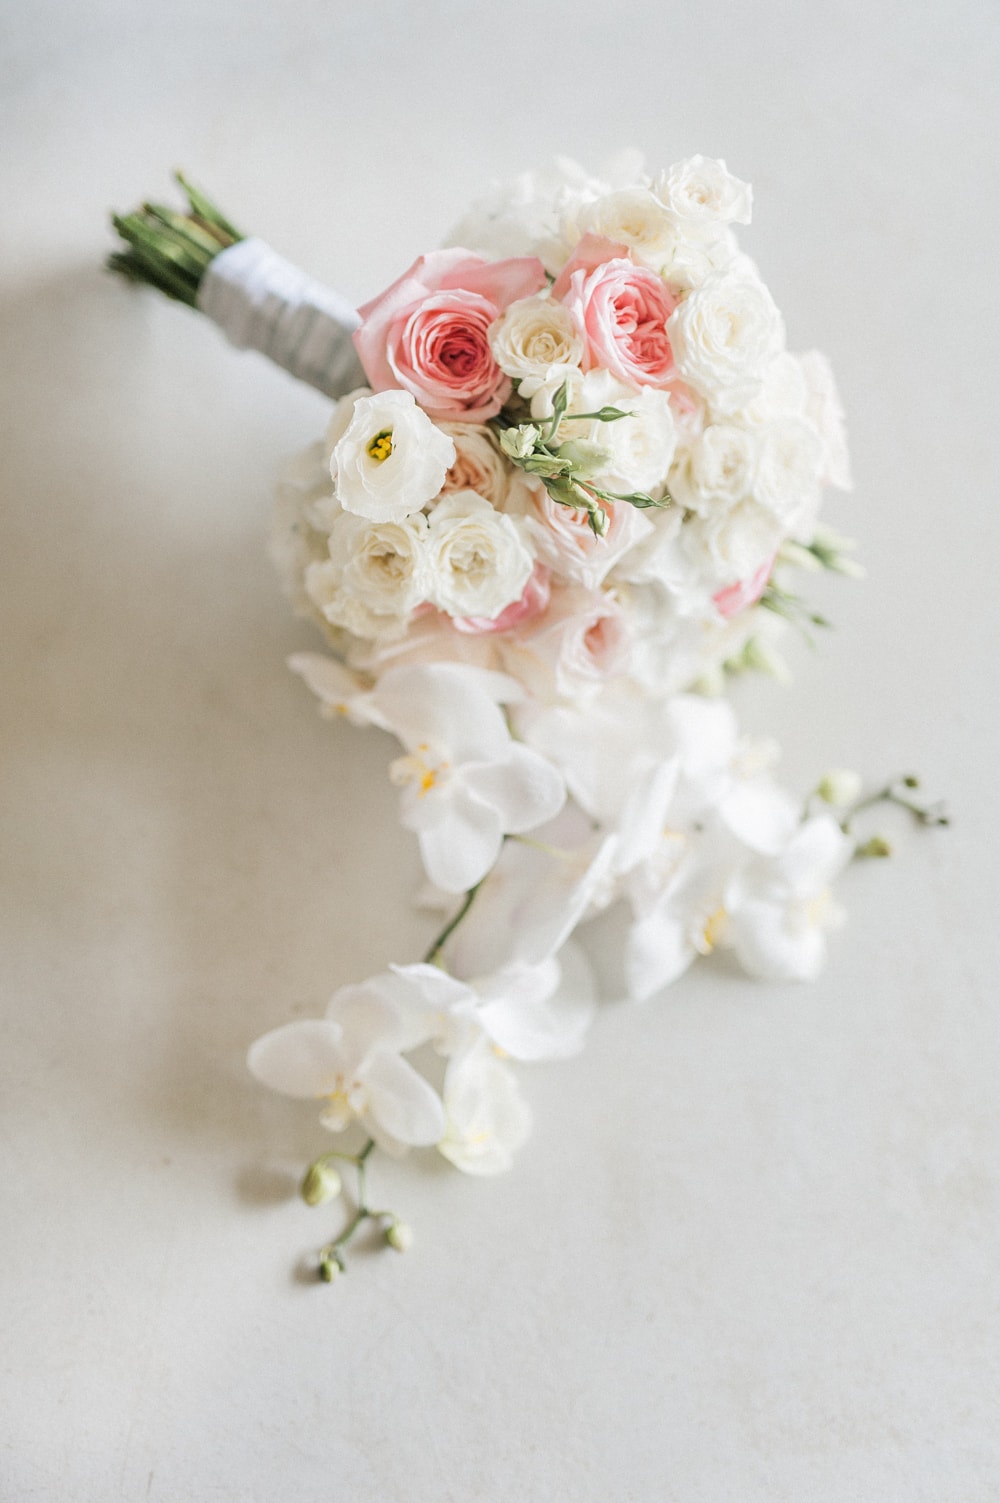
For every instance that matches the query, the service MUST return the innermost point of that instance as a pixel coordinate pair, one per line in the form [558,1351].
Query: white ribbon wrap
[262,302]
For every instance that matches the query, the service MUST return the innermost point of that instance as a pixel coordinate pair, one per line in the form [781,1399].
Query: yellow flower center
[712,932]
[418,768]
[380,447]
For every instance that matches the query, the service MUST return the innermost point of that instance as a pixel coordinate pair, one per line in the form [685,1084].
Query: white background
[750,1253]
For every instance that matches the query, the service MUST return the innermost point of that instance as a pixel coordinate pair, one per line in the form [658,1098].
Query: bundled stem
[171,251]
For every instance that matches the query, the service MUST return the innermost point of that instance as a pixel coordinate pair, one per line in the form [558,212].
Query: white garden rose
[703,194]
[391,459]
[720,471]
[788,471]
[824,408]
[382,564]
[633,217]
[477,558]
[783,392]
[536,340]
[323,583]
[724,335]
[733,544]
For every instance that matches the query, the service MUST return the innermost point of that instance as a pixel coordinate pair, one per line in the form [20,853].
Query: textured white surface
[750,1256]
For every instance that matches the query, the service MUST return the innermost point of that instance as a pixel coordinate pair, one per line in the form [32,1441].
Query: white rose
[720,471]
[323,586]
[783,392]
[724,335]
[638,450]
[383,564]
[478,562]
[536,340]
[788,472]
[733,544]
[633,217]
[703,194]
[390,459]
[824,407]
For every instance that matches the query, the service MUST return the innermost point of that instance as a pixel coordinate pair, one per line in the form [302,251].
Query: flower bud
[320,1183]
[877,847]
[399,1235]
[840,786]
[330,1268]
[519,442]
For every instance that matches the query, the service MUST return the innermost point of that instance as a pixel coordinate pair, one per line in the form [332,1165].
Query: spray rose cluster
[560,511]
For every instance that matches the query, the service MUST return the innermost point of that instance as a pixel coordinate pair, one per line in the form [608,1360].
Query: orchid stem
[438,944]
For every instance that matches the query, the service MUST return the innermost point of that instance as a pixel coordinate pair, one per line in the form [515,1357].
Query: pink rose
[745,592]
[566,540]
[534,600]
[427,334]
[622,310]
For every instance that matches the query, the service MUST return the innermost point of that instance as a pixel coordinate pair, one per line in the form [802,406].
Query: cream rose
[477,559]
[383,564]
[390,460]
[703,194]
[536,340]
[721,468]
[479,466]
[788,482]
[724,335]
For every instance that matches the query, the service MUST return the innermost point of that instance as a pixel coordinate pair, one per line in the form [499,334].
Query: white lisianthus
[487,1120]
[702,193]
[477,559]
[788,472]
[479,465]
[390,459]
[536,340]
[720,471]
[724,335]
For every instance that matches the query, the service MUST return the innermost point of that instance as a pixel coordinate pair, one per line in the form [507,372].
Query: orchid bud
[399,1235]
[840,786]
[320,1183]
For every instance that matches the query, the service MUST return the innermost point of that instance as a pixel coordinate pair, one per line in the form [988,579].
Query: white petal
[524,788]
[462,844]
[657,951]
[540,1012]
[367,1020]
[302,1059]
[401,1101]
[774,944]
[487,1120]
[443,704]
[528,906]
[336,687]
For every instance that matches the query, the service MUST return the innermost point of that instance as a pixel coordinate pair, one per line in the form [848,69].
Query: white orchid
[465,782]
[351,1060]
[780,907]
[487,1120]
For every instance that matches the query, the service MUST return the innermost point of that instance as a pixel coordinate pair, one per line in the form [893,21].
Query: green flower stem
[438,944]
[169,250]
[897,792]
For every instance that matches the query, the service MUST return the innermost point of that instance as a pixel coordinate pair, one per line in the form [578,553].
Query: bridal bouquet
[568,476]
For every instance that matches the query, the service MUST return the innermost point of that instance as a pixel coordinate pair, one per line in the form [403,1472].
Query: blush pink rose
[745,592]
[427,333]
[621,310]
[533,602]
